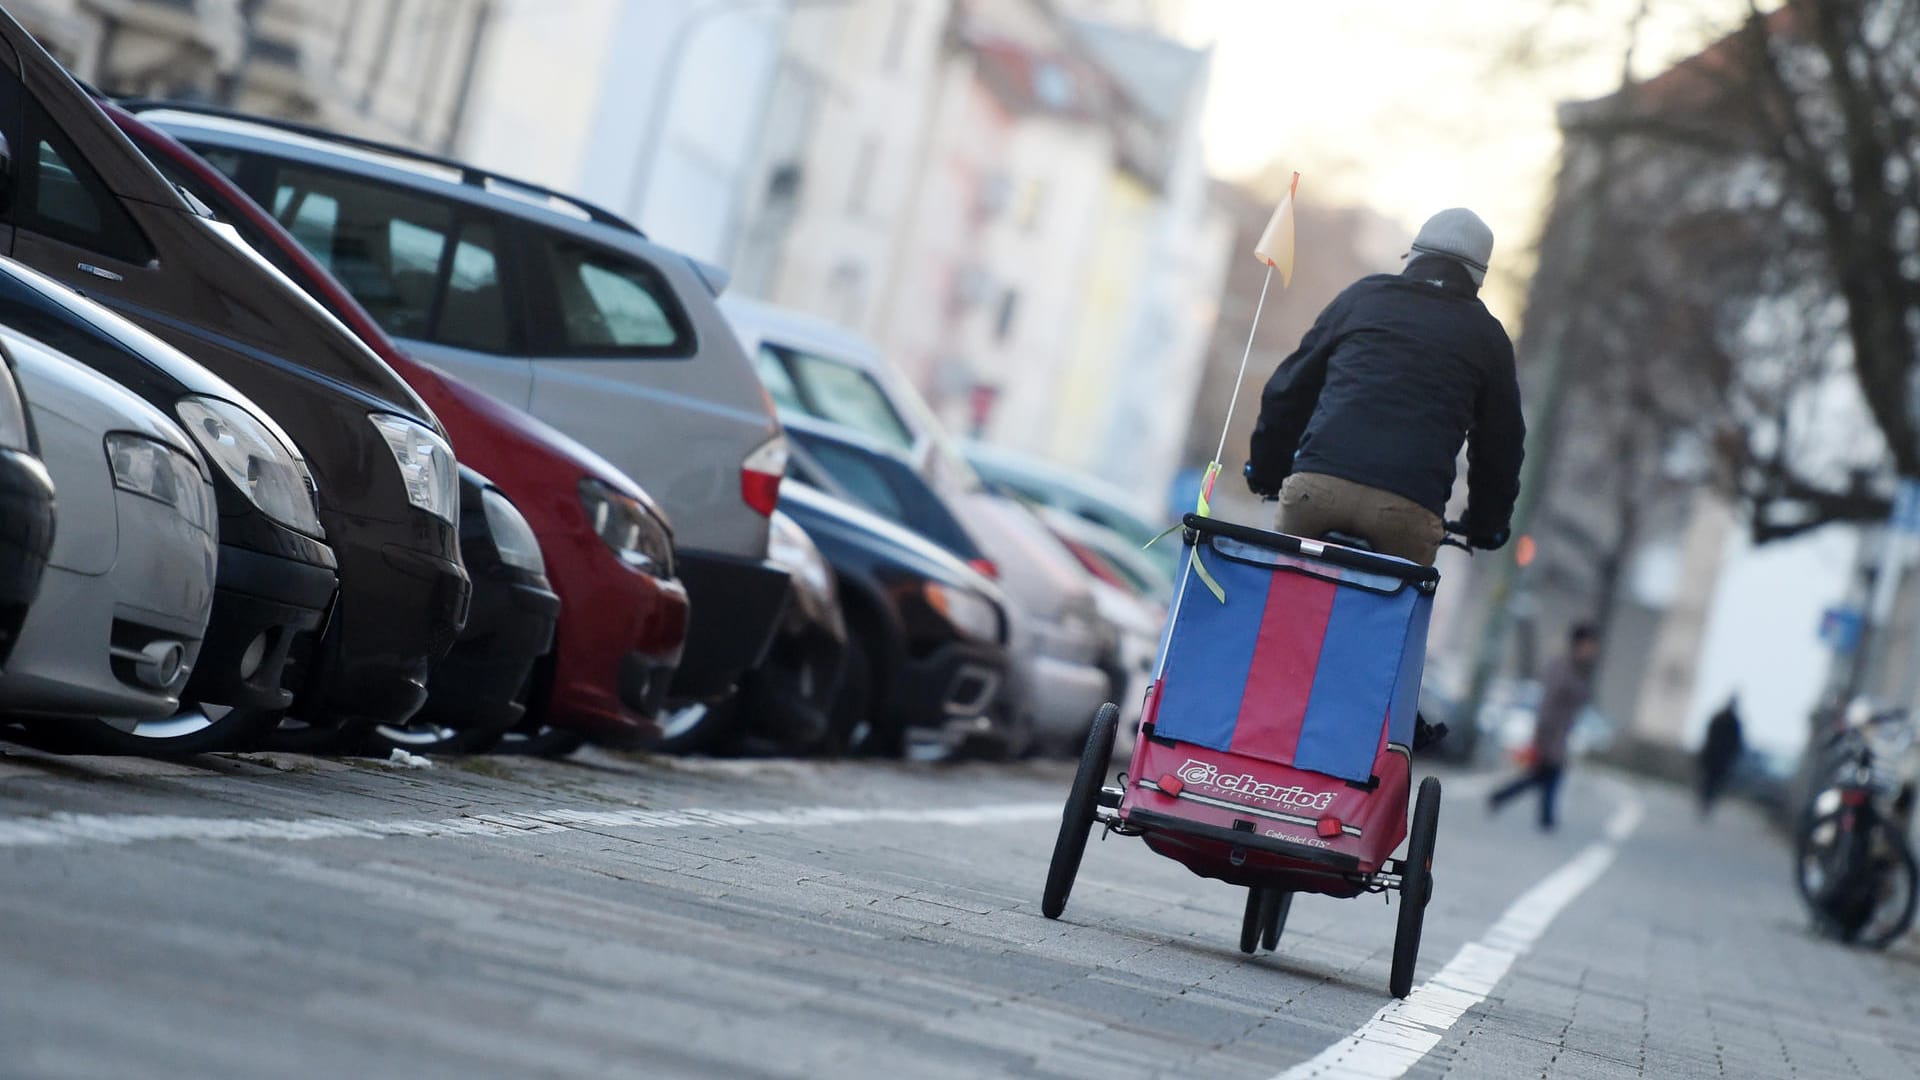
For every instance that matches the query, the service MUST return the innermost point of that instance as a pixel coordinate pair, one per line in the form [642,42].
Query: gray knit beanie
[1460,235]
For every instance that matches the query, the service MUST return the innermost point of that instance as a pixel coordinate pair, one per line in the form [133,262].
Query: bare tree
[1777,182]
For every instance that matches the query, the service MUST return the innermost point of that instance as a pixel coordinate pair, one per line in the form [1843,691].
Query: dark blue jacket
[1396,374]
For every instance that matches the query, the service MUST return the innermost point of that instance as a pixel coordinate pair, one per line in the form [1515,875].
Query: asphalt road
[285,916]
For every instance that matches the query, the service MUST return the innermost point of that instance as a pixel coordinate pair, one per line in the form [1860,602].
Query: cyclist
[1360,428]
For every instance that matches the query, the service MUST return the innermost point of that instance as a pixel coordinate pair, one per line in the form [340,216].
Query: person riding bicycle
[1360,428]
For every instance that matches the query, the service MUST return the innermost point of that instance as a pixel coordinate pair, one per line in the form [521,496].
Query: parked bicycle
[1853,861]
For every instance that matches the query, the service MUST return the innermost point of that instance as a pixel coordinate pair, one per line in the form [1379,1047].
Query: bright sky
[1415,107]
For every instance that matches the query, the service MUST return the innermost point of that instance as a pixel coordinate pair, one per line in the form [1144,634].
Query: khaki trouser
[1314,504]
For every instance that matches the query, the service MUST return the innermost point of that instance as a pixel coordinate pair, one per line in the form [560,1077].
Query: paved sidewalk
[1692,958]
[296,917]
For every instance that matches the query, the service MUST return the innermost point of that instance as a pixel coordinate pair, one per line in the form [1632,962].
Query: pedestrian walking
[1360,428]
[1719,753]
[1568,686]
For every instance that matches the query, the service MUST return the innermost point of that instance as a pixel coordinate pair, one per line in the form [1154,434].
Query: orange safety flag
[1276,242]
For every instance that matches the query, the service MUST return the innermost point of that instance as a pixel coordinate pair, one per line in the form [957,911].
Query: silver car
[128,587]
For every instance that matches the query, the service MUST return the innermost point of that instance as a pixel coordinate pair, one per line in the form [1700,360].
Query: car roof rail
[469,174]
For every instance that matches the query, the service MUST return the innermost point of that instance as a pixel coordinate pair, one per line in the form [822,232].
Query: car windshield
[834,391]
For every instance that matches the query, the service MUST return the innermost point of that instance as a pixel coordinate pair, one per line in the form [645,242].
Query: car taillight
[760,475]
[986,568]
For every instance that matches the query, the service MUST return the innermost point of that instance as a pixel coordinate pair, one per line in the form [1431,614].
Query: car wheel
[535,739]
[195,729]
[699,727]
[415,737]
[860,726]
[296,736]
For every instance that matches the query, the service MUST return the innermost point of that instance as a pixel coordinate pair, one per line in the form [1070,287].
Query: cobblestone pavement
[287,916]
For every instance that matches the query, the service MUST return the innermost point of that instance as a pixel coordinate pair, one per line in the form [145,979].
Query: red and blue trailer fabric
[1305,663]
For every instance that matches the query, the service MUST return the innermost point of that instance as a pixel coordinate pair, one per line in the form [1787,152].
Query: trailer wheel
[1076,819]
[1416,886]
[1278,902]
[1255,919]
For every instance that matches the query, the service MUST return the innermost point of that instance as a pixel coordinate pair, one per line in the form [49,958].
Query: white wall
[1762,637]
[574,93]
[537,88]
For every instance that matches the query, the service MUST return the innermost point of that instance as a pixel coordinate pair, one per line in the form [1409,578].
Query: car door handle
[100,272]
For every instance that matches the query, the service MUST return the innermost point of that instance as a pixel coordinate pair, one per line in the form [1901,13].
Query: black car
[479,691]
[926,634]
[85,207]
[26,511]
[276,576]
[839,459]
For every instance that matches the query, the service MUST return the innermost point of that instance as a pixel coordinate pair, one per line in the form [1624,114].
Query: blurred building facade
[1009,199]
[1012,202]
[398,70]
[652,108]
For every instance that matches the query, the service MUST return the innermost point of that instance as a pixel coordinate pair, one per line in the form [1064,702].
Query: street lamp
[669,81]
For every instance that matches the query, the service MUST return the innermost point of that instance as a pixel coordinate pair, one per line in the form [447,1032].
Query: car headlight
[625,525]
[265,469]
[512,537]
[427,468]
[159,472]
[973,615]
[789,547]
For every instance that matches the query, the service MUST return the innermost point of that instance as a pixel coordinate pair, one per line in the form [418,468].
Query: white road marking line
[1403,1032]
[66,830]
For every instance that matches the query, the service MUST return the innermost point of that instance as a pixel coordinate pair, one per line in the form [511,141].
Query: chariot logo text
[1204,774]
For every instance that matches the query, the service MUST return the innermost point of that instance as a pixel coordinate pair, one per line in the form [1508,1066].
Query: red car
[608,549]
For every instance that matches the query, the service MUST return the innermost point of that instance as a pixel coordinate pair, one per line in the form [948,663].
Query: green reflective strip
[1206,577]
[1164,533]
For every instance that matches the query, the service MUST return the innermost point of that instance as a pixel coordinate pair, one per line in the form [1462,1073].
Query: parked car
[1062,649]
[128,587]
[89,210]
[861,469]
[1110,556]
[559,308]
[813,367]
[1069,653]
[1075,492]
[786,703]
[275,574]
[927,636]
[1130,596]
[608,550]
[479,692]
[26,511]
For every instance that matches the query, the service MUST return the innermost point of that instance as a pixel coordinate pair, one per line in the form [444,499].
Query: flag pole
[1276,250]
[1245,355]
